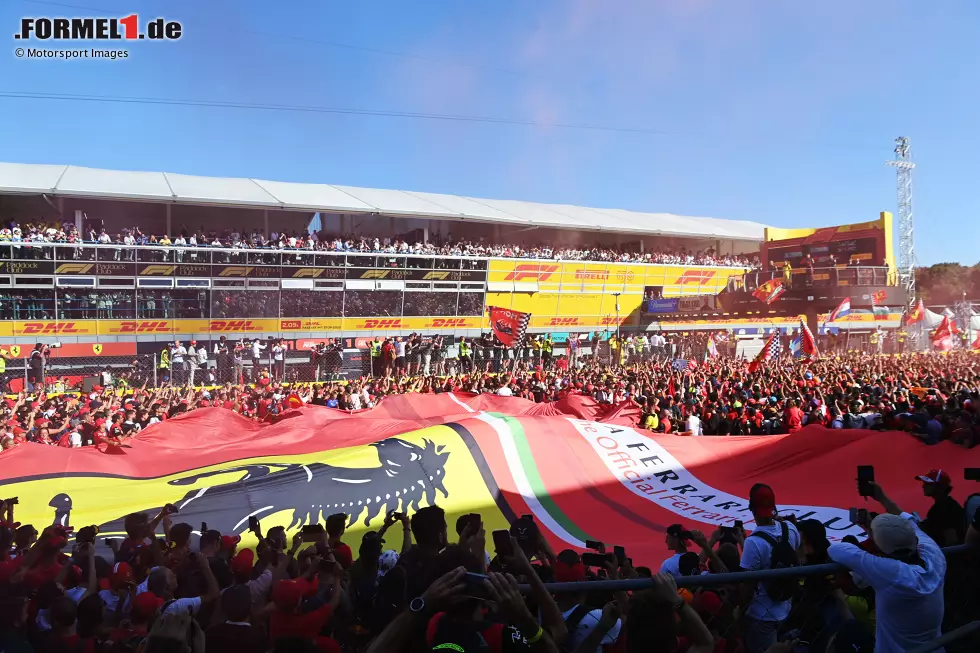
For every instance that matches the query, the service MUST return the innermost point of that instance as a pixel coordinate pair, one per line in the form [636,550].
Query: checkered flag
[769,351]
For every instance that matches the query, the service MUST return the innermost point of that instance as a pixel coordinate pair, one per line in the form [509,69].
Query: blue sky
[777,111]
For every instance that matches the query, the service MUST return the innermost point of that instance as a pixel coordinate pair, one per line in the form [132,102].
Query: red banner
[509,326]
[582,470]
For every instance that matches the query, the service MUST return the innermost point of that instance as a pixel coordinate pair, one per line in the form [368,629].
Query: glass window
[373,303]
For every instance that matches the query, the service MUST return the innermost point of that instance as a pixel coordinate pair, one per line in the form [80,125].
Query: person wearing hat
[946,520]
[764,614]
[145,607]
[908,578]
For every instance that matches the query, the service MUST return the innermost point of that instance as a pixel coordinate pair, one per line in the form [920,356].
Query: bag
[782,556]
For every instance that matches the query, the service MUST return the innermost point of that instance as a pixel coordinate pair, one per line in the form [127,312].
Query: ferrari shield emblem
[15,351]
[97,348]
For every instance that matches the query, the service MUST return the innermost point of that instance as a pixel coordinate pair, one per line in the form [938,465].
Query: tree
[945,283]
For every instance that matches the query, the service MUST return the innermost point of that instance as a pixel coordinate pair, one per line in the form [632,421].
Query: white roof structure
[74,181]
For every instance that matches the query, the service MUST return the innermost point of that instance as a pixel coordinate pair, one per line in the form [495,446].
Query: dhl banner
[607,278]
[581,478]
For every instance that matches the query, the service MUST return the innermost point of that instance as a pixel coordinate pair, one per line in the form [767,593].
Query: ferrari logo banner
[581,470]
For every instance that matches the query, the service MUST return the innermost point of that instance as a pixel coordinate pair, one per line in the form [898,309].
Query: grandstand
[117,256]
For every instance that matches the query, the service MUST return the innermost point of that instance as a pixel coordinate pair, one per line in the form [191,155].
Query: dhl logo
[374,274]
[157,270]
[380,324]
[448,322]
[233,325]
[695,277]
[73,268]
[236,271]
[608,320]
[290,324]
[144,326]
[532,271]
[436,275]
[563,321]
[593,275]
[307,273]
[48,328]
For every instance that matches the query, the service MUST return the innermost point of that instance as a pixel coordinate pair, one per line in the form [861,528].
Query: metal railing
[841,275]
[203,253]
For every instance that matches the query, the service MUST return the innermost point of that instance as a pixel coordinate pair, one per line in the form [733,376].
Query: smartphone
[204,527]
[312,532]
[475,587]
[852,515]
[726,530]
[528,517]
[595,545]
[593,559]
[502,543]
[620,555]
[969,474]
[865,476]
[739,525]
[397,515]
[253,523]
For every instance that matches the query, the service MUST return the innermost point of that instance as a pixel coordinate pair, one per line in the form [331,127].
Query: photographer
[908,578]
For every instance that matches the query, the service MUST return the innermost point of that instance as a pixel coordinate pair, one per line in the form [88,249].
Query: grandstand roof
[74,181]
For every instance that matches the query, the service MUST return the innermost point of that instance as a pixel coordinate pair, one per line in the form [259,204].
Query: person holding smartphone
[675,541]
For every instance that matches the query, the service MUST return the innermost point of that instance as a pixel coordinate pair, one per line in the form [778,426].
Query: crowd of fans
[166,588]
[22,237]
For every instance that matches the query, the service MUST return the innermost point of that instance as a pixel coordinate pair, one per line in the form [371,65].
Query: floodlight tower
[906,228]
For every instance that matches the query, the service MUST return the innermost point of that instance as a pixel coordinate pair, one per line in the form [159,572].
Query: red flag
[942,337]
[671,387]
[917,314]
[878,297]
[509,326]
[976,343]
[808,342]
[770,291]
[769,350]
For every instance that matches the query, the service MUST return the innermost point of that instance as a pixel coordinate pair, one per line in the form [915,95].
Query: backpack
[782,556]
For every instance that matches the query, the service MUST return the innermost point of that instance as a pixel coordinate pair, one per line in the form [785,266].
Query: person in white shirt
[579,618]
[694,424]
[504,391]
[908,578]
[675,542]
[257,348]
[177,363]
[163,583]
[763,615]
[279,361]
[399,354]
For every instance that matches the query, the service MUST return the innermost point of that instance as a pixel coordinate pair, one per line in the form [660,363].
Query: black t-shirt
[945,514]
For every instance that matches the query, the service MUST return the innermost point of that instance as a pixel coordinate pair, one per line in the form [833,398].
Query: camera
[54,345]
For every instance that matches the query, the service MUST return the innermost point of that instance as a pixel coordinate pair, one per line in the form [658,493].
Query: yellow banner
[312,324]
[54,328]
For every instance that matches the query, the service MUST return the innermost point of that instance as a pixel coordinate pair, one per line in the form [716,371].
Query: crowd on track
[23,236]
[164,587]
[933,397]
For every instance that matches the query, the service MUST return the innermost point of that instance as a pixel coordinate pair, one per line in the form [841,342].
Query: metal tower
[906,237]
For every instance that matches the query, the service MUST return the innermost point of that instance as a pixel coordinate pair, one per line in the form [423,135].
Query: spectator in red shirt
[794,417]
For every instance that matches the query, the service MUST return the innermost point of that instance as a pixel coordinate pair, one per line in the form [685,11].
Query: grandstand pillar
[168,232]
[391,226]
[425,235]
[265,221]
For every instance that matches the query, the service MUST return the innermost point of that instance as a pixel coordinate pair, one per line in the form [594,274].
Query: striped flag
[877,301]
[769,351]
[844,308]
[796,347]
[712,351]
[682,364]
[808,344]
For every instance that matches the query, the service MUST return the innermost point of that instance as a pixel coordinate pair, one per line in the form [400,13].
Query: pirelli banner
[607,278]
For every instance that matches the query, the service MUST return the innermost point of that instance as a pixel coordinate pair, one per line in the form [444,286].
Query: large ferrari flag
[770,291]
[579,468]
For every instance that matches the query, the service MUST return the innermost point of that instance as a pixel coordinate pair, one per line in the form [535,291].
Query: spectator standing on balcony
[279,361]
[908,578]
[177,356]
[768,605]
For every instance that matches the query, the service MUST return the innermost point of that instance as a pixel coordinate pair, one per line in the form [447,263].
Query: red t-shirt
[794,419]
[304,625]
[42,573]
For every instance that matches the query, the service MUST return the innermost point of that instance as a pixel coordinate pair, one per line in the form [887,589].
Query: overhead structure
[906,228]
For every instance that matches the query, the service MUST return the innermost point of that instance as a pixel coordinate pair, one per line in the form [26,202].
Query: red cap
[707,603]
[763,502]
[936,476]
[241,564]
[566,573]
[229,542]
[121,574]
[287,594]
[146,603]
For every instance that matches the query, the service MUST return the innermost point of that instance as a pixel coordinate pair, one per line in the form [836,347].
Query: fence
[815,616]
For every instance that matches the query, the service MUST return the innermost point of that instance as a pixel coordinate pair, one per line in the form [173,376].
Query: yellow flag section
[570,295]
[405,473]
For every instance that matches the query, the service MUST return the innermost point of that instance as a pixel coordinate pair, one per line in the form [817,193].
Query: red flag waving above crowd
[917,314]
[769,351]
[770,291]
[509,326]
[942,337]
